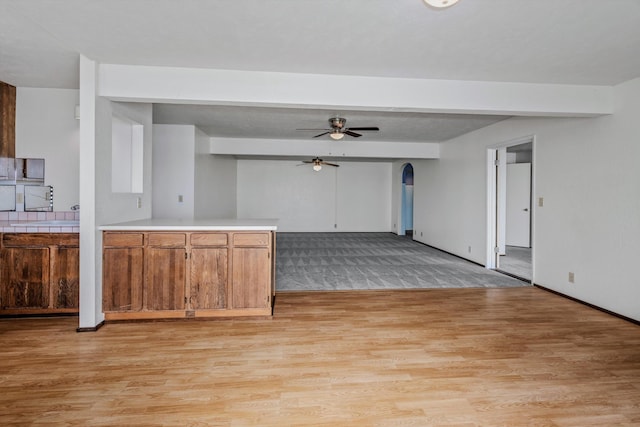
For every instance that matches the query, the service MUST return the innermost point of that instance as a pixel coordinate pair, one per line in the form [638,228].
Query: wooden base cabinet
[39,273]
[208,281]
[149,275]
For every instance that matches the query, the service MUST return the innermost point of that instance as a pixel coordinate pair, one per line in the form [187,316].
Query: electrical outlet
[139,202]
[421,234]
[180,198]
[571,277]
[469,249]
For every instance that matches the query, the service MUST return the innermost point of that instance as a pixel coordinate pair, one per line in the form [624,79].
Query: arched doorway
[406,210]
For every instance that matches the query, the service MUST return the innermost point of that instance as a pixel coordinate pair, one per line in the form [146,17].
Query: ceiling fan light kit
[440,4]
[317,164]
[336,135]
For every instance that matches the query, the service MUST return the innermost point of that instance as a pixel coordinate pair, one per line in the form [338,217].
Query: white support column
[90,296]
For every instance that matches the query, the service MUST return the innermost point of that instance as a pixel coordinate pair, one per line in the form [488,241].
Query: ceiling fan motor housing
[337,123]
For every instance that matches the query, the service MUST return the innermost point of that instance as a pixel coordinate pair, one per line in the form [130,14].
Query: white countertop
[213,224]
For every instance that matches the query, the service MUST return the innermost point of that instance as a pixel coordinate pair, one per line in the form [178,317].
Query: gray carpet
[517,261]
[345,261]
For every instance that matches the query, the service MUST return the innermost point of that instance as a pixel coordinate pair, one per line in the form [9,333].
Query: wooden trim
[239,312]
[187,314]
[43,312]
[604,310]
[91,328]
[142,315]
[7,120]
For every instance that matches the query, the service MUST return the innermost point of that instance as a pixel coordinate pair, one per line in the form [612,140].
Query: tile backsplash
[8,218]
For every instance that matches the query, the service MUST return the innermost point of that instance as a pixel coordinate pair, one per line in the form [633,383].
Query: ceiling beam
[257,88]
[329,149]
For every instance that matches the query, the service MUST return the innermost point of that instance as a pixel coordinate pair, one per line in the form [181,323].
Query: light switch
[540,201]
[180,198]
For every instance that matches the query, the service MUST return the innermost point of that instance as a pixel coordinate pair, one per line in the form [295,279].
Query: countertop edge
[188,228]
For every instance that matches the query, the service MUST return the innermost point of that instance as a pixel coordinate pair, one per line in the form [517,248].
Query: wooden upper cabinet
[7,120]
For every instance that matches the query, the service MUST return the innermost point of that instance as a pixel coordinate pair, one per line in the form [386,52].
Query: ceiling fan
[338,129]
[317,164]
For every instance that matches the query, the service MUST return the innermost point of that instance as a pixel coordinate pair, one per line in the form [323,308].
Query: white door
[518,205]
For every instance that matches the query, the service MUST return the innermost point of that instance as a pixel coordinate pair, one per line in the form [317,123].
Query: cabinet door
[208,278]
[25,278]
[122,279]
[251,284]
[165,278]
[65,277]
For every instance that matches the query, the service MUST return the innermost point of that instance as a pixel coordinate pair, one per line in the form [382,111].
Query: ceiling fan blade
[355,135]
[330,164]
[307,161]
[366,129]
[322,134]
[314,129]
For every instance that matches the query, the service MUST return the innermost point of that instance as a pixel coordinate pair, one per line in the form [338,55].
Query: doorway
[406,203]
[510,226]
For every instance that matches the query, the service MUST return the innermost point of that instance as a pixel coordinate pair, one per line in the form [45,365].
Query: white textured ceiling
[542,41]
[282,123]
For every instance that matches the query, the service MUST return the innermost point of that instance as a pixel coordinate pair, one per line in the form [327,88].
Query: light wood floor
[437,357]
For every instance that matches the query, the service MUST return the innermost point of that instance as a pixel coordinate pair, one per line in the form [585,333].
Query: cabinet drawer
[167,239]
[122,239]
[251,239]
[208,239]
[40,239]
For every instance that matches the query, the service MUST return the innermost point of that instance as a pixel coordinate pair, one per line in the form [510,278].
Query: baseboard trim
[91,328]
[604,310]
[449,253]
[16,315]
[515,276]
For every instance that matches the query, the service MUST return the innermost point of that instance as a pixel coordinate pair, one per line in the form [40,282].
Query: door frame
[495,223]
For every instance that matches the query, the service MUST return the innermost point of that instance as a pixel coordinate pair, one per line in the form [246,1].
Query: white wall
[116,207]
[46,127]
[183,166]
[173,171]
[215,181]
[356,196]
[586,170]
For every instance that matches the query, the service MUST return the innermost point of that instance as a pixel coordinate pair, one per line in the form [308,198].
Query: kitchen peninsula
[166,268]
